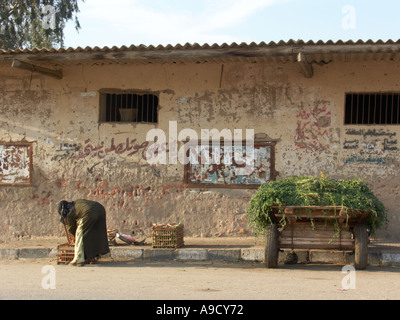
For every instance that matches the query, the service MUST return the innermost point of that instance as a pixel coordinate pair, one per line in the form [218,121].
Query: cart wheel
[271,247]
[361,246]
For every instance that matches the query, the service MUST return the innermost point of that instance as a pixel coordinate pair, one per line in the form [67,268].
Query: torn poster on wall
[15,164]
[258,169]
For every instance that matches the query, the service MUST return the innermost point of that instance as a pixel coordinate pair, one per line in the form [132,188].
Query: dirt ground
[31,279]
[110,279]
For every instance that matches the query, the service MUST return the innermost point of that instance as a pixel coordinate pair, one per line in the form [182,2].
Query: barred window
[128,107]
[372,108]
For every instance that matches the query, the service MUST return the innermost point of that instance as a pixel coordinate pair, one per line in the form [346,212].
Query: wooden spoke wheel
[272,246]
[361,246]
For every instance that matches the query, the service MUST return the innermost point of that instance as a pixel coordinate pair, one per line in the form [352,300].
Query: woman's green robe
[91,217]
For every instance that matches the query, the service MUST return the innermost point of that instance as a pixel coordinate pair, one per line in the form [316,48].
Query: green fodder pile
[310,191]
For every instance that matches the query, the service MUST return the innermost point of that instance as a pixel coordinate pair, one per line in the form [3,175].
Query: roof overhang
[304,53]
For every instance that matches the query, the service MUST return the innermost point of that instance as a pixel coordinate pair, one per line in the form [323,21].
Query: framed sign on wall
[15,164]
[218,166]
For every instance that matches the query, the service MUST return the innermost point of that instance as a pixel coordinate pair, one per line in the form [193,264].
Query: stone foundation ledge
[256,254]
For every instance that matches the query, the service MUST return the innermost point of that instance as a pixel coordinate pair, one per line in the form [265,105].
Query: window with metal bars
[372,108]
[128,107]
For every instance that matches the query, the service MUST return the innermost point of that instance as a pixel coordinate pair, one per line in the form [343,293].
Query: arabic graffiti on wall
[312,128]
[15,164]
[128,148]
[371,145]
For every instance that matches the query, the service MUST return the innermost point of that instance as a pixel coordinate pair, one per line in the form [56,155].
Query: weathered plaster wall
[75,156]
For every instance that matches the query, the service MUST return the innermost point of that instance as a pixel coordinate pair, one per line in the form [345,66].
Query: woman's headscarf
[65,208]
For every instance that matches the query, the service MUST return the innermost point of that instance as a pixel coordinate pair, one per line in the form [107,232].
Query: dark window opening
[128,107]
[372,108]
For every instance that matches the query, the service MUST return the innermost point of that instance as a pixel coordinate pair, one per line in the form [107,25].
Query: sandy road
[33,279]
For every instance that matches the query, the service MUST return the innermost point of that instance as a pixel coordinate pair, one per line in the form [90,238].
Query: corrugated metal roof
[316,52]
[196,46]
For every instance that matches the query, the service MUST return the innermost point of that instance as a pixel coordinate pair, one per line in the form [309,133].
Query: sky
[154,22]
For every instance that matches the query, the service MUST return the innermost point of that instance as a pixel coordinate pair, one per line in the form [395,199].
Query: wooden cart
[316,227]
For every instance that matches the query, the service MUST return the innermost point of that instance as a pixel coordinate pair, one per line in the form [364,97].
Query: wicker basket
[65,253]
[167,236]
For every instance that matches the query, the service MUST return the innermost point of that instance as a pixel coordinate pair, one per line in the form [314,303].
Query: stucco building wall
[76,156]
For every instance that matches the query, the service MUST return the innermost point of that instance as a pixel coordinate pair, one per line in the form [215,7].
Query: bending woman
[87,221]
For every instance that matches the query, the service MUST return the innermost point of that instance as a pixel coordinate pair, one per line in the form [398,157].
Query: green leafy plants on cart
[311,191]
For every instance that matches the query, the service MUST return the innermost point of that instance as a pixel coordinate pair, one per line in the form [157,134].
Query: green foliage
[21,23]
[310,191]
